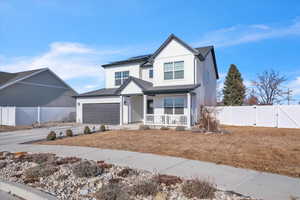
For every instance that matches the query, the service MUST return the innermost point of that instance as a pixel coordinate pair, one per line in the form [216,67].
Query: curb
[24,191]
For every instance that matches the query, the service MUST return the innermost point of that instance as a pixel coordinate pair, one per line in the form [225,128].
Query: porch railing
[168,120]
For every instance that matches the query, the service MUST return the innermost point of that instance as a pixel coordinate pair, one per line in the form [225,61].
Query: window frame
[174,106]
[150,73]
[173,70]
[122,78]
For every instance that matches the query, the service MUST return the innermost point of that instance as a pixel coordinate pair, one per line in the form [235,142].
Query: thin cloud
[71,61]
[240,34]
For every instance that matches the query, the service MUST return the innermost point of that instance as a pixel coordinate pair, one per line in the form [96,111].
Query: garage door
[101,113]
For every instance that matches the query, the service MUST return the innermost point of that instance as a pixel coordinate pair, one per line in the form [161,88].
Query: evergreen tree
[234,89]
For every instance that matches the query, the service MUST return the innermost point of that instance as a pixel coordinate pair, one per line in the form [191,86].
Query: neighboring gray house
[33,88]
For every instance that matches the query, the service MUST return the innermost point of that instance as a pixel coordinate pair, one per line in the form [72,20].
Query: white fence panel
[26,115]
[7,116]
[55,114]
[31,115]
[224,115]
[281,116]
[289,116]
[265,116]
[243,116]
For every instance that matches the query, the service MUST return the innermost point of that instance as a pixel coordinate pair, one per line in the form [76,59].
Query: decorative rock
[160,196]
[84,192]
[19,154]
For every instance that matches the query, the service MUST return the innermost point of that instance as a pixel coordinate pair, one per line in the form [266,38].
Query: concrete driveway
[22,136]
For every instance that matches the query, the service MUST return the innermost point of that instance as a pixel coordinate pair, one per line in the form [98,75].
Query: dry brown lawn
[264,149]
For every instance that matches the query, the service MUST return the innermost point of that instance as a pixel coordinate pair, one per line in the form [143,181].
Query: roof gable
[167,41]
[143,85]
[132,88]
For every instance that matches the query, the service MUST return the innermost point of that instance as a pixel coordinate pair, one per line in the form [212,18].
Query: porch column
[189,107]
[121,110]
[145,107]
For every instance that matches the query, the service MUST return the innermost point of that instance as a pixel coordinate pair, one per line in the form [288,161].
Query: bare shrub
[2,164]
[40,171]
[112,192]
[38,158]
[127,172]
[51,136]
[104,165]
[87,169]
[197,188]
[167,179]
[180,128]
[69,133]
[164,128]
[62,177]
[102,128]
[208,120]
[115,180]
[146,187]
[144,127]
[87,130]
[66,160]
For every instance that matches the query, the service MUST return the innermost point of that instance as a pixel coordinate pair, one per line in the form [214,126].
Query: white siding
[80,101]
[173,52]
[132,88]
[134,70]
[145,74]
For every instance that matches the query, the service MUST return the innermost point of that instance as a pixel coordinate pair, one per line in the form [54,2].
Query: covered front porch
[157,109]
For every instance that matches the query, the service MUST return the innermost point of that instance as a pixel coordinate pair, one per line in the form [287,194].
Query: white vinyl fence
[13,116]
[7,116]
[280,116]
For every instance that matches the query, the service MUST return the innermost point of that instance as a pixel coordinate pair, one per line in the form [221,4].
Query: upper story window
[151,73]
[174,70]
[120,77]
[174,106]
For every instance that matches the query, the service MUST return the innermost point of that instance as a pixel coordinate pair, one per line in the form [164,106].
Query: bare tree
[268,87]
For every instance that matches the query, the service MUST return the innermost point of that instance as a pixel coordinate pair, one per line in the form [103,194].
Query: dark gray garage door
[101,113]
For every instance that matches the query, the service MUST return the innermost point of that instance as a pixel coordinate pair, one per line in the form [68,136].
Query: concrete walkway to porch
[248,182]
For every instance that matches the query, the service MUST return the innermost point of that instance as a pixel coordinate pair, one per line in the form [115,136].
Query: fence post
[277,116]
[255,122]
[39,114]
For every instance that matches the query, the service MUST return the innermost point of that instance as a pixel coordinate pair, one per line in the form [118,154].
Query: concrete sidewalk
[248,182]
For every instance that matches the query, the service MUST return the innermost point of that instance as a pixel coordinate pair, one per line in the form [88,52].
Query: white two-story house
[165,88]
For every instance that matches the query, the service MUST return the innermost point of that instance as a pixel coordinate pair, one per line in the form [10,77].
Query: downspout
[194,70]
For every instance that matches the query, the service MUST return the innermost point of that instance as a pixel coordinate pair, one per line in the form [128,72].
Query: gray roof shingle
[101,92]
[7,78]
[147,88]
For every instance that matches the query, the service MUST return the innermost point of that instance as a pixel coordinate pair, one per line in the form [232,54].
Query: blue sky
[73,37]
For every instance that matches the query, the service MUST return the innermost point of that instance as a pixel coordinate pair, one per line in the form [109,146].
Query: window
[174,106]
[150,106]
[150,73]
[120,77]
[174,70]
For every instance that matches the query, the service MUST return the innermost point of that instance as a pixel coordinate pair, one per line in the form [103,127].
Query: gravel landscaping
[73,178]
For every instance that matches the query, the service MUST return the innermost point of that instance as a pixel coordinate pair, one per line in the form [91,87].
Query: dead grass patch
[264,149]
